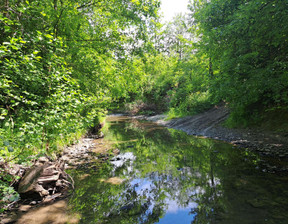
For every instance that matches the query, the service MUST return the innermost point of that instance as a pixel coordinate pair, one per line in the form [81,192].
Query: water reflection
[170,177]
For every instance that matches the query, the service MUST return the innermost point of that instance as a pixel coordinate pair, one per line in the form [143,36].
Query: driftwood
[46,180]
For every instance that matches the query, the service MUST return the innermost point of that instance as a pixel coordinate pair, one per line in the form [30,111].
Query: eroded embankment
[209,124]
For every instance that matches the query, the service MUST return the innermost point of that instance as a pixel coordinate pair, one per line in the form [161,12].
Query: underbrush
[275,120]
[189,104]
[266,118]
[24,139]
[139,107]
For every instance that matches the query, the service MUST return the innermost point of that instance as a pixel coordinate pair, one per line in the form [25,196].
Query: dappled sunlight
[56,213]
[220,68]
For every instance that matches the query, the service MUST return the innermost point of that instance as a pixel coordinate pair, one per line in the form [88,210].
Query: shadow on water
[165,176]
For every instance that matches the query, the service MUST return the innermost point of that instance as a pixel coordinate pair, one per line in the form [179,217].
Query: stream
[166,176]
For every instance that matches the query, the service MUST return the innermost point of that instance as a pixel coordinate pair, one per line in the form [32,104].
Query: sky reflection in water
[173,210]
[170,177]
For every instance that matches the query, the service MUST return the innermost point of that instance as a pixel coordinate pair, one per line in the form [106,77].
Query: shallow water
[165,176]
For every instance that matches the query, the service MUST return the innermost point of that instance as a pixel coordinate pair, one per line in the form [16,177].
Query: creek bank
[46,181]
[210,125]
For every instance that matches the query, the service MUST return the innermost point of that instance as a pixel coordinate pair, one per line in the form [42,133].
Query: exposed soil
[210,124]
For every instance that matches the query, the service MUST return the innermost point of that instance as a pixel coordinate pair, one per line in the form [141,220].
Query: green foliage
[247,44]
[60,67]
[7,192]
[41,103]
[231,51]
[174,77]
[61,64]
[162,83]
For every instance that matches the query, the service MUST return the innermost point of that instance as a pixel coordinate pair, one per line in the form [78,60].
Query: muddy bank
[210,124]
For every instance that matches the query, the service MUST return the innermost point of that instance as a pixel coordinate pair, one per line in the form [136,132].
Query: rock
[30,179]
[101,135]
[43,159]
[44,180]
[40,189]
[114,180]
[116,151]
[24,208]
[12,218]
[51,198]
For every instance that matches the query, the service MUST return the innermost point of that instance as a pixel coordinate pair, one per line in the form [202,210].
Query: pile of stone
[45,181]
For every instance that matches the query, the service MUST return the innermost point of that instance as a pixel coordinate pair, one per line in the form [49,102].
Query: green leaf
[48,36]
[7,28]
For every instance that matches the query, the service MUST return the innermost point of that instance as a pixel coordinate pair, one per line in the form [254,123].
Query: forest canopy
[64,63]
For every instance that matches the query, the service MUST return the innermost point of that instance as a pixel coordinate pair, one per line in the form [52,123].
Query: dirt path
[209,124]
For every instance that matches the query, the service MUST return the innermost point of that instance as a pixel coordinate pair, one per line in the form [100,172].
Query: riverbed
[165,176]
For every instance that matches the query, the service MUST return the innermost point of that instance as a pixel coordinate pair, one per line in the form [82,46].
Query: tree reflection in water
[170,177]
